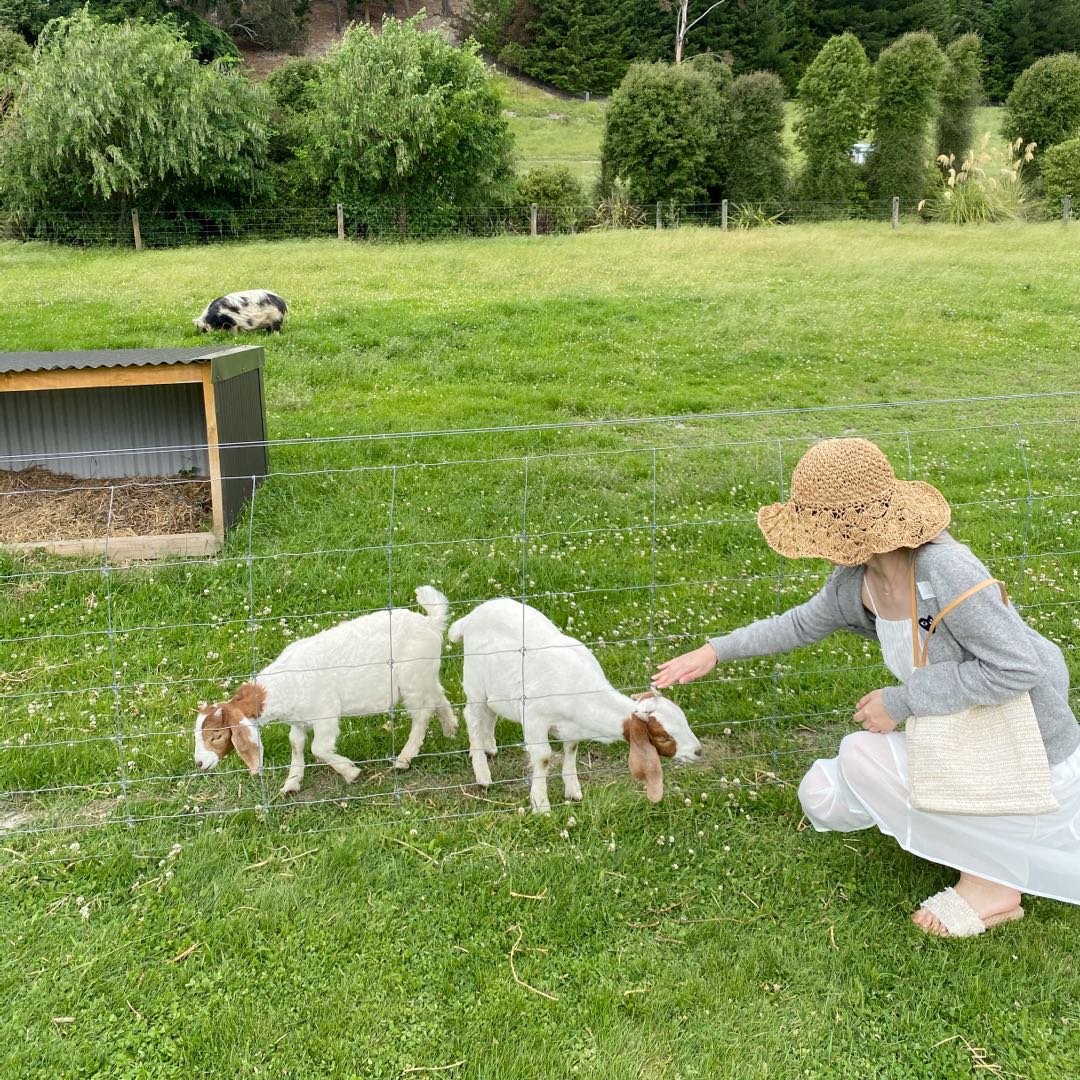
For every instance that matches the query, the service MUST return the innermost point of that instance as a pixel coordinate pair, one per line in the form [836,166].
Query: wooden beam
[128,547]
[70,379]
[213,452]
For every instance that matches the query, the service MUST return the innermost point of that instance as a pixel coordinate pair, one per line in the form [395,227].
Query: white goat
[358,668]
[520,666]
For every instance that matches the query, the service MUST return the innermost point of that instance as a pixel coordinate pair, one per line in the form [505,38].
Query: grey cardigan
[981,653]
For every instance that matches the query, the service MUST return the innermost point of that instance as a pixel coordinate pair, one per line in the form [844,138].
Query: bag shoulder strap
[920,653]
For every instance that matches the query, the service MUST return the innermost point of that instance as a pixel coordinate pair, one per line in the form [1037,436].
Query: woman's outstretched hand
[872,714]
[685,668]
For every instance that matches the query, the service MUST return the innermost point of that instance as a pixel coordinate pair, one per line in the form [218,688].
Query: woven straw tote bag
[984,760]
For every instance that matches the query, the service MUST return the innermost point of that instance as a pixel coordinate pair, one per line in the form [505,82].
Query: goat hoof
[574,796]
[290,789]
[490,754]
[401,764]
[351,777]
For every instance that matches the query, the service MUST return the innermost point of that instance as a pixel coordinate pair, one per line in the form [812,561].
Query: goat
[357,668]
[520,666]
[253,309]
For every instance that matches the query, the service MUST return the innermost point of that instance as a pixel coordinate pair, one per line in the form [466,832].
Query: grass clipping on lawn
[37,505]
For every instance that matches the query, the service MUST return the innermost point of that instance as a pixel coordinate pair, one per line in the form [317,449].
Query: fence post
[895,211]
[1066,209]
[723,216]
[532,219]
[659,221]
[136,230]
[340,222]
[586,95]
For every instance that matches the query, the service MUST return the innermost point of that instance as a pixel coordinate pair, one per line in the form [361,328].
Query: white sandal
[960,919]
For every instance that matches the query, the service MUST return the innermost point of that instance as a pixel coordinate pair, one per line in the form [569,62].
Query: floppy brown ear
[659,737]
[644,760]
[245,738]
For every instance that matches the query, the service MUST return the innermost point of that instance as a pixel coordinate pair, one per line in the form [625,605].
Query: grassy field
[161,924]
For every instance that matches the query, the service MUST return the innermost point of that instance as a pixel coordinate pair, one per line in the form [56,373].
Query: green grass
[363,932]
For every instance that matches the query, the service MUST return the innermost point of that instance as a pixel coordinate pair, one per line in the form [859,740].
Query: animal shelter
[137,452]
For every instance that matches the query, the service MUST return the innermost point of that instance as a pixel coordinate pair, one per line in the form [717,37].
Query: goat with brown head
[221,729]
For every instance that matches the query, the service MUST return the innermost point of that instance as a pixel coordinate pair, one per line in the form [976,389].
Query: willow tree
[114,115]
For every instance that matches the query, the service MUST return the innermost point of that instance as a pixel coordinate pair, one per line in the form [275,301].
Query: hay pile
[36,504]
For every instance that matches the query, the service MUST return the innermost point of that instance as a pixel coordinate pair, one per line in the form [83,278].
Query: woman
[847,506]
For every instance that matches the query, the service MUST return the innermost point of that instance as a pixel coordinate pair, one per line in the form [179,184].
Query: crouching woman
[897,571]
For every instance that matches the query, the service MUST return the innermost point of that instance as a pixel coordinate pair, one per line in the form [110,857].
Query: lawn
[162,924]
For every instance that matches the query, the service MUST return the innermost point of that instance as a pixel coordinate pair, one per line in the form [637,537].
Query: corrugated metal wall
[241,418]
[53,427]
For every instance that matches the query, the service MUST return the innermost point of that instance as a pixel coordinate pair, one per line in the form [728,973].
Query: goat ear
[644,760]
[660,738]
[245,739]
[643,695]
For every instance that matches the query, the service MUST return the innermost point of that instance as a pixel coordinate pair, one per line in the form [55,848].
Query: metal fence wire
[638,537]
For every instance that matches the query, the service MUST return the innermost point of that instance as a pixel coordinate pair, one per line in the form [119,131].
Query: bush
[153,126]
[14,58]
[1061,172]
[961,92]
[1044,106]
[558,195]
[757,157]
[968,195]
[833,100]
[661,134]
[405,129]
[906,79]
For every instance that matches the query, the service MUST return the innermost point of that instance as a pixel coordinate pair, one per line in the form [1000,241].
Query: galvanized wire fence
[637,537]
[145,228]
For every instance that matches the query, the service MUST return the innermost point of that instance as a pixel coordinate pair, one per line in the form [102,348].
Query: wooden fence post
[1066,209]
[895,211]
[532,219]
[723,215]
[659,221]
[340,222]
[136,230]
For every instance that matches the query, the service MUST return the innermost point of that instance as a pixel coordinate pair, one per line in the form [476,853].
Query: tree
[757,157]
[906,79]
[661,133]
[961,92]
[683,25]
[152,125]
[833,101]
[14,59]
[1044,106]
[404,124]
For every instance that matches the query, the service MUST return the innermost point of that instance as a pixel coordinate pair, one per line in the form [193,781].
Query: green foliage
[662,133]
[757,157]
[14,58]
[1044,106]
[153,126]
[558,195]
[906,79]
[960,94]
[402,122]
[1061,172]
[270,24]
[980,188]
[208,42]
[833,100]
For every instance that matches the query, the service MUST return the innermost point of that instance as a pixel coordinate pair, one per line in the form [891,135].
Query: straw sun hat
[847,504]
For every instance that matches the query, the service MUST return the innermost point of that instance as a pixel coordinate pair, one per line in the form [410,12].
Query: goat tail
[435,604]
[456,634]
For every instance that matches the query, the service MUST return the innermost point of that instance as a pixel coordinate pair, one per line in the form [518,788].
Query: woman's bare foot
[986,897]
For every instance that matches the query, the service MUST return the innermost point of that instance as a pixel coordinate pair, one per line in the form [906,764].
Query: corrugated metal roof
[105,358]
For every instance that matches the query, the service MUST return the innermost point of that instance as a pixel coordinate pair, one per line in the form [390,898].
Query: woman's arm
[1004,659]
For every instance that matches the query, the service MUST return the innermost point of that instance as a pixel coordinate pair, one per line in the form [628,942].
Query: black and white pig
[253,309]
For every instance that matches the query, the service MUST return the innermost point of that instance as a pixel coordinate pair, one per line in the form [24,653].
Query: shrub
[969,194]
[1044,106]
[14,58]
[661,133]
[833,99]
[906,79]
[757,157]
[558,195]
[1061,172]
[404,127]
[153,125]
[960,94]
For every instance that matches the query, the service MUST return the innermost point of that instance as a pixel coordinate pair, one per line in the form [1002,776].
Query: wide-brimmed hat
[847,504]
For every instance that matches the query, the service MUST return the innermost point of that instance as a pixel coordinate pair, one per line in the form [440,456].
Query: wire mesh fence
[637,537]
[145,228]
